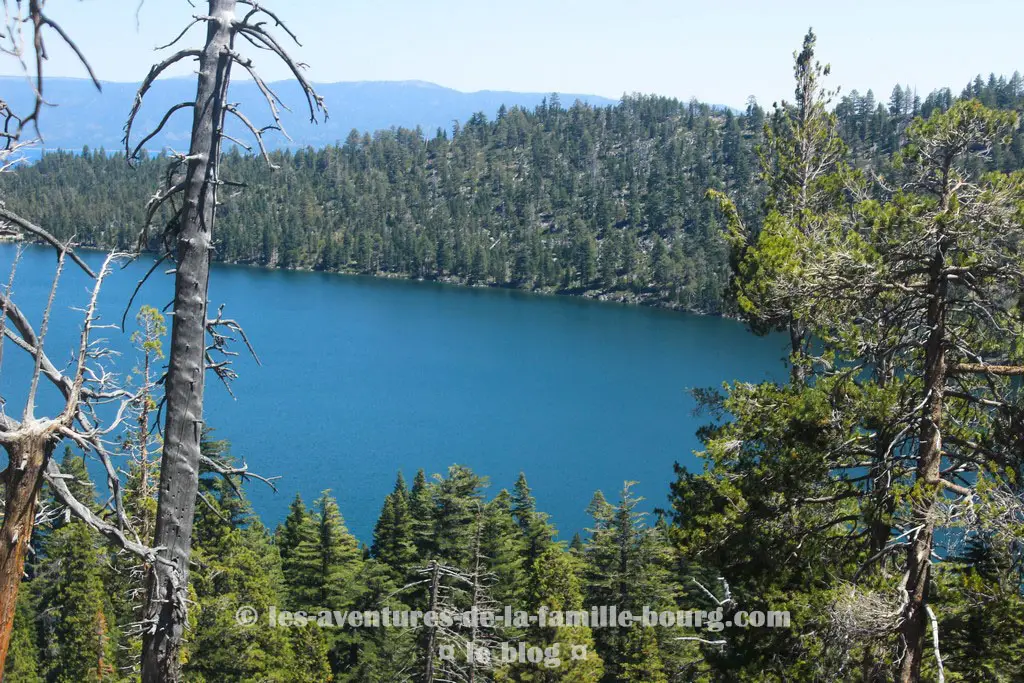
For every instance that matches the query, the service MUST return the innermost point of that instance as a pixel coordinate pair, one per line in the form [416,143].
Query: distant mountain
[84,116]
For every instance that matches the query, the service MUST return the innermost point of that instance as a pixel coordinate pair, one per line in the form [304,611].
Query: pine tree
[627,565]
[829,472]
[614,174]
[393,538]
[289,533]
[140,490]
[24,663]
[522,504]
[376,654]
[642,661]
[456,500]
[339,554]
[143,472]
[560,590]
[298,540]
[77,627]
[609,262]
[421,509]
[310,651]
[504,546]
[237,565]
[802,164]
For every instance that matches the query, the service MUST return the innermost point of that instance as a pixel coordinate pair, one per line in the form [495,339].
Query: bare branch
[257,133]
[259,9]
[160,126]
[138,286]
[242,472]
[3,307]
[272,98]
[13,33]
[195,20]
[28,226]
[156,201]
[957,489]
[72,405]
[313,100]
[209,504]
[56,480]
[147,83]
[74,48]
[705,641]
[985,368]
[31,400]
[221,340]
[935,643]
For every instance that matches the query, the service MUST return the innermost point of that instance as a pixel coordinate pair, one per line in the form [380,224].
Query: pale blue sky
[717,51]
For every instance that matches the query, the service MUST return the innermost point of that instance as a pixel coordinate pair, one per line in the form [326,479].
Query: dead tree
[30,440]
[190,194]
[463,610]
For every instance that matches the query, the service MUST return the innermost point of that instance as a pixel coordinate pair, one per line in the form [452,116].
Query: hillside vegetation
[599,201]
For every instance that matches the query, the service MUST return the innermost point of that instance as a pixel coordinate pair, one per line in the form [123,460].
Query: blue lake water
[362,377]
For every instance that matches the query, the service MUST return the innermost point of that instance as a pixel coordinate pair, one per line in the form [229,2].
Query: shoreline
[621,298]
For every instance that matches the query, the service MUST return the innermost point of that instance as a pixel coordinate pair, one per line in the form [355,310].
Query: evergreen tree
[237,565]
[23,662]
[802,164]
[504,546]
[421,509]
[393,537]
[79,634]
[642,662]
[339,554]
[550,203]
[627,566]
[522,504]
[560,590]
[290,533]
[298,540]
[310,651]
[455,505]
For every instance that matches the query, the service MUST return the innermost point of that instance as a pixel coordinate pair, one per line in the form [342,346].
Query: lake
[362,377]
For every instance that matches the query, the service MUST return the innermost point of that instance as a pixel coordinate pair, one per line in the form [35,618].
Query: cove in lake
[362,377]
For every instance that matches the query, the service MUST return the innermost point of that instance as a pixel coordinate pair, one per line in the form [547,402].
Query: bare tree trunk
[883,502]
[929,483]
[22,481]
[797,333]
[189,237]
[167,592]
[478,596]
[435,584]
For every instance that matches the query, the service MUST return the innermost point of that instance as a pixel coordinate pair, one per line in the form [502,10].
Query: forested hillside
[77,619]
[598,201]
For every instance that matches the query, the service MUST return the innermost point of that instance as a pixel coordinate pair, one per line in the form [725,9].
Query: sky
[718,51]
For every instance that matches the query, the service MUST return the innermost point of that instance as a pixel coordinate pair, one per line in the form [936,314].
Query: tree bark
[797,369]
[167,589]
[435,585]
[880,522]
[928,475]
[24,476]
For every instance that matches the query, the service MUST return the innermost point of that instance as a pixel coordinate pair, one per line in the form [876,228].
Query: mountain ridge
[84,116]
